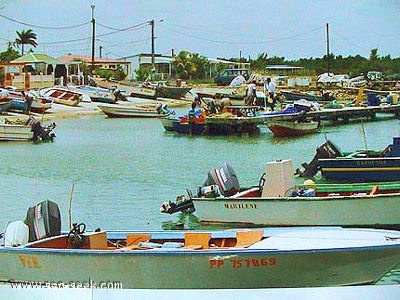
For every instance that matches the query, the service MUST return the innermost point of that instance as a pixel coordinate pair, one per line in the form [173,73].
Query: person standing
[269,90]
[191,117]
[251,93]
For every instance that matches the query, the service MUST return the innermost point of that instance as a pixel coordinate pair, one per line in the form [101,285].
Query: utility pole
[152,45]
[100,51]
[327,47]
[93,39]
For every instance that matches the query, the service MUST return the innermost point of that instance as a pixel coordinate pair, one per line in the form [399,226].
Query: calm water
[123,169]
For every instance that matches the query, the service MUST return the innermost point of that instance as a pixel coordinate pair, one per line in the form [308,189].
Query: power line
[124,29]
[43,27]
[247,42]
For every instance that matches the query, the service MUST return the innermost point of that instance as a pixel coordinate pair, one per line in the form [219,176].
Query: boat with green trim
[277,201]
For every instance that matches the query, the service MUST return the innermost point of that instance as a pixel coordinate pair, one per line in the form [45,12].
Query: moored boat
[282,128]
[236,120]
[13,132]
[277,201]
[96,94]
[62,96]
[356,166]
[295,95]
[31,130]
[227,259]
[131,111]
[19,101]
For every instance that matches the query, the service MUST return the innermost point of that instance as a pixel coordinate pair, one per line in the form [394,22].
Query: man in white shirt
[269,90]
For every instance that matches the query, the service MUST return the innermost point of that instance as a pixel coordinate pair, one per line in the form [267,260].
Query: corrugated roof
[36,58]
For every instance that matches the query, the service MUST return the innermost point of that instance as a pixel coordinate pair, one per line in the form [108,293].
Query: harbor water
[118,172]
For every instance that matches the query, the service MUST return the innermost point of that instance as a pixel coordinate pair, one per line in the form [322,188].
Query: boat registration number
[29,261]
[236,263]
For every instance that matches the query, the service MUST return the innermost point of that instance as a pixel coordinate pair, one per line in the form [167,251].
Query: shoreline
[61,111]
[56,112]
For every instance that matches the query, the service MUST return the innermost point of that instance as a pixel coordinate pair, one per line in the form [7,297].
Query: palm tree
[184,65]
[27,37]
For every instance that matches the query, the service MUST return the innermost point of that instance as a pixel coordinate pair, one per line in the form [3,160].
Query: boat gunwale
[334,232]
[292,198]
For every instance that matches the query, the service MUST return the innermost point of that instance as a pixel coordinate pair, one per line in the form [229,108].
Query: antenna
[70,205]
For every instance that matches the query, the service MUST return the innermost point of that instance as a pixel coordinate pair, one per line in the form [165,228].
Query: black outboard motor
[326,150]
[41,133]
[225,178]
[43,220]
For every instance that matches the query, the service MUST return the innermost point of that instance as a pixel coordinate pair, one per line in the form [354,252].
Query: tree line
[194,66]
[187,65]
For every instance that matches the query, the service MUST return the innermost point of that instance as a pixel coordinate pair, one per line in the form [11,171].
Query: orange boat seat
[197,240]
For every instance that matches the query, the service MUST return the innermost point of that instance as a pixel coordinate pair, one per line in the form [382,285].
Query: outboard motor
[225,178]
[41,133]
[394,149]
[43,220]
[326,150]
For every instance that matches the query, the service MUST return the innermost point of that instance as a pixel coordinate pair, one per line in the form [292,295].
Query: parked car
[226,76]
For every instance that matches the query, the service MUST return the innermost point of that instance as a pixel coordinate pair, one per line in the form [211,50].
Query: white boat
[29,130]
[279,202]
[93,94]
[13,132]
[227,259]
[129,111]
[62,95]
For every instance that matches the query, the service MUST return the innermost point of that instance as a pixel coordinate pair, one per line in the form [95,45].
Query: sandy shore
[56,112]
[60,111]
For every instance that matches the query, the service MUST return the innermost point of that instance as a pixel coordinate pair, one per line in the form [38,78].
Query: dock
[245,119]
[343,115]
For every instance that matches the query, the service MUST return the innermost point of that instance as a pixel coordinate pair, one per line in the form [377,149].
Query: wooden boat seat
[247,238]
[133,240]
[97,240]
[197,240]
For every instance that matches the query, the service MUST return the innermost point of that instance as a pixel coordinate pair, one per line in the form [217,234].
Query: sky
[291,29]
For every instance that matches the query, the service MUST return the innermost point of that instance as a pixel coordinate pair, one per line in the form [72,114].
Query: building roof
[88,59]
[282,67]
[37,58]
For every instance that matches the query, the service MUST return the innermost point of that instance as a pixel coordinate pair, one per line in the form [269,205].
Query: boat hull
[291,128]
[10,132]
[362,210]
[119,111]
[293,96]
[62,96]
[345,264]
[360,169]
[168,123]
[184,127]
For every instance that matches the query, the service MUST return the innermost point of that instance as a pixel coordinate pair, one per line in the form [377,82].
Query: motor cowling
[43,220]
[225,178]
